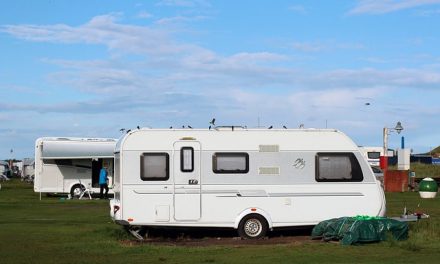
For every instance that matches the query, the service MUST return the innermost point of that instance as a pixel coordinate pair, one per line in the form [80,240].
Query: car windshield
[373,155]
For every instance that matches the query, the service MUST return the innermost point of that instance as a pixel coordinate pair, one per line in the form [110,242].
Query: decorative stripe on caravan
[251,193]
[262,193]
[315,194]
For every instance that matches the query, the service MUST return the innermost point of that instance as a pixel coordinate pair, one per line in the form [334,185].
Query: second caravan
[66,165]
[252,180]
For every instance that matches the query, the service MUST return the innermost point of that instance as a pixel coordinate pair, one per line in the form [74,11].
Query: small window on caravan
[155,167]
[187,159]
[230,162]
[337,167]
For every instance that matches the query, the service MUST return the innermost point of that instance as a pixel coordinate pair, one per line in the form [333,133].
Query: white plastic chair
[85,191]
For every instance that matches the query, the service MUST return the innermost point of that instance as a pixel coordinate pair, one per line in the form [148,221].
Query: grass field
[423,170]
[55,230]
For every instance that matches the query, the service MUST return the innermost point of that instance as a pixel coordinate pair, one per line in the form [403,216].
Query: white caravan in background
[372,154]
[248,179]
[4,168]
[28,168]
[62,165]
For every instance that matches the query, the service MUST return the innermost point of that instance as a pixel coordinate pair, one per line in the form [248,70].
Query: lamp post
[386,131]
[11,163]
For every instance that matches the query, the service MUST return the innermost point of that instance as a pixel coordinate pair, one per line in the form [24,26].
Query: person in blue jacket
[103,182]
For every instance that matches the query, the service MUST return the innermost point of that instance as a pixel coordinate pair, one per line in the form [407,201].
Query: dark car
[378,173]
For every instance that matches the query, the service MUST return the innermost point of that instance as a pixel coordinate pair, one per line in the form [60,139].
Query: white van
[252,180]
[372,154]
[65,165]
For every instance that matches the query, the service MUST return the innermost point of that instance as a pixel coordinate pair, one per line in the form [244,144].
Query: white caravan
[62,165]
[372,154]
[28,169]
[4,168]
[248,179]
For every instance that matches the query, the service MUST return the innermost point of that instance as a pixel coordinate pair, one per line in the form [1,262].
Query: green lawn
[55,230]
[423,170]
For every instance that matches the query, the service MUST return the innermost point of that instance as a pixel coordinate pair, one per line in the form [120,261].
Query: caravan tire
[253,226]
[75,192]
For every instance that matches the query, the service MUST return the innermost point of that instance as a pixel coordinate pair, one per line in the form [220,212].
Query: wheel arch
[74,184]
[253,210]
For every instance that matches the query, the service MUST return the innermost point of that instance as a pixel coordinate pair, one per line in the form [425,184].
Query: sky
[88,68]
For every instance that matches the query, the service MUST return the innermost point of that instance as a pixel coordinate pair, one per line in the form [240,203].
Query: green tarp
[360,229]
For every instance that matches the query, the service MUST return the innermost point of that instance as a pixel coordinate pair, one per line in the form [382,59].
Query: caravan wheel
[75,192]
[252,226]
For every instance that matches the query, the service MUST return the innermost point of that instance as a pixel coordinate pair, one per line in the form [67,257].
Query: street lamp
[386,131]
[11,162]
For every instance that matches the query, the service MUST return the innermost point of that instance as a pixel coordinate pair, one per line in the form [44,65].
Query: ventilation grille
[269,170]
[269,148]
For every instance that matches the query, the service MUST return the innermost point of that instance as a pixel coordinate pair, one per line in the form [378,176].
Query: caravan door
[187,190]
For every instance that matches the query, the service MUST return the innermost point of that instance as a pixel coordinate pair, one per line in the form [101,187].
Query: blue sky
[89,68]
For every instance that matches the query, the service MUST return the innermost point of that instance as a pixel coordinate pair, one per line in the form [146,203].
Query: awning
[77,149]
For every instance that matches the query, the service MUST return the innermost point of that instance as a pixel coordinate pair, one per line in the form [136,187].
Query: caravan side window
[155,166]
[338,167]
[230,162]
[187,159]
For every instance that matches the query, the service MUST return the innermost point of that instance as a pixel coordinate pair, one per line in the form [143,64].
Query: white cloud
[102,30]
[403,78]
[176,83]
[319,46]
[254,58]
[308,46]
[299,9]
[179,19]
[168,64]
[387,6]
[183,3]
[376,60]
[144,14]
[428,12]
[333,100]
[341,107]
